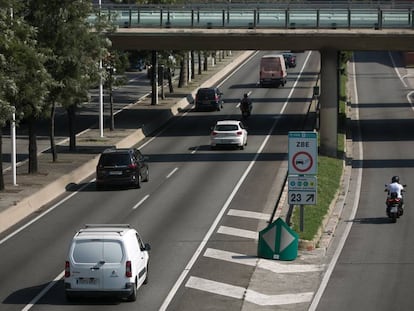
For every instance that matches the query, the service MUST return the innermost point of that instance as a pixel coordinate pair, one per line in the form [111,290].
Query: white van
[273,70]
[106,260]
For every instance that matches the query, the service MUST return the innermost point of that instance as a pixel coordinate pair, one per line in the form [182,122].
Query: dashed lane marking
[251,296]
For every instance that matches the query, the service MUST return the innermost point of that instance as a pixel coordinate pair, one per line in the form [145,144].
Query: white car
[228,133]
[106,260]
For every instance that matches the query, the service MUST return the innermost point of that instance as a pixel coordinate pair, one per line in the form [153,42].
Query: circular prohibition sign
[306,161]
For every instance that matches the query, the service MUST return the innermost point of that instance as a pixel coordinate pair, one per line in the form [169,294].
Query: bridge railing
[263,16]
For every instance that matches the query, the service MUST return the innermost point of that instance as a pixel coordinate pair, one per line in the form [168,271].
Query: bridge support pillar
[329,103]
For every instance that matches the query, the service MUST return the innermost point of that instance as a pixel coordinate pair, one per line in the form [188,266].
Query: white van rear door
[87,263]
[113,271]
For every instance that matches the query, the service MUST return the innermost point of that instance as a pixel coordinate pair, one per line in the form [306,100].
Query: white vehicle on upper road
[228,133]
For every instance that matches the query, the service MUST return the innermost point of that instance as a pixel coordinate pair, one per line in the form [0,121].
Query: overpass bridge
[326,26]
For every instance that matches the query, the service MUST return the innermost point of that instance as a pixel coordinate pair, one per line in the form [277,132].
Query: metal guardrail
[326,15]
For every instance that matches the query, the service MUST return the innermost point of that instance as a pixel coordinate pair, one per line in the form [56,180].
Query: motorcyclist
[396,188]
[246,103]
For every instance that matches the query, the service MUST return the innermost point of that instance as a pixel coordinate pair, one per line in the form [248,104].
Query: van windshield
[95,251]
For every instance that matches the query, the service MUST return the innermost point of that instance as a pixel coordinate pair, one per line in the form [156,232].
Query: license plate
[87,281]
[394,209]
[115,173]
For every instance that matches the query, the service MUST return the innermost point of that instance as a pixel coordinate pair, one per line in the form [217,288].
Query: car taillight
[132,166]
[213,133]
[128,269]
[239,133]
[216,98]
[67,269]
[281,73]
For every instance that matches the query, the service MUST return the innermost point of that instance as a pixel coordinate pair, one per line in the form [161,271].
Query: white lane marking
[270,265]
[276,267]
[43,292]
[211,230]
[216,287]
[251,296]
[348,226]
[140,202]
[396,69]
[172,172]
[248,214]
[277,300]
[238,232]
[44,213]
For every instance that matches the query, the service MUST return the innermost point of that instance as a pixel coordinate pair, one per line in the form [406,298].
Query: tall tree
[25,68]
[75,47]
[7,86]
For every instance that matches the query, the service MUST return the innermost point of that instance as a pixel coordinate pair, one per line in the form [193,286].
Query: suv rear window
[112,159]
[228,127]
[207,94]
[94,251]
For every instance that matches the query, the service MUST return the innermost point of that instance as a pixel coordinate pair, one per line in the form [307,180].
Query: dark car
[209,98]
[118,167]
[290,59]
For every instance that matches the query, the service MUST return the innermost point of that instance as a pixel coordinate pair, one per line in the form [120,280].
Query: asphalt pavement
[136,122]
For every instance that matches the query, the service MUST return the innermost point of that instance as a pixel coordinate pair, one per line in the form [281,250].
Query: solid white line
[251,296]
[172,172]
[396,70]
[140,202]
[248,214]
[238,232]
[348,227]
[209,233]
[43,292]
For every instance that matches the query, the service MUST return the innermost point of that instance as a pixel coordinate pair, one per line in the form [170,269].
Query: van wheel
[133,296]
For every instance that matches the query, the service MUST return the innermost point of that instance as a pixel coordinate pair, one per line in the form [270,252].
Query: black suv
[124,166]
[210,98]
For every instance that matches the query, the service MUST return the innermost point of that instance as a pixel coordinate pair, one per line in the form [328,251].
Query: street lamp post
[101,111]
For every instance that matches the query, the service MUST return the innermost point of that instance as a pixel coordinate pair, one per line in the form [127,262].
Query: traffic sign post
[302,170]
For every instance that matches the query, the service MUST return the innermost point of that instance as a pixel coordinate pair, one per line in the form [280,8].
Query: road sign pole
[302,211]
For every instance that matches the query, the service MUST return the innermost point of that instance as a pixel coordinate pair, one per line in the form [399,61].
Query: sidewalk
[132,125]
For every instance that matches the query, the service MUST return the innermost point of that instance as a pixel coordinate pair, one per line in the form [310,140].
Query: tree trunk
[183,71]
[199,62]
[1,161]
[52,132]
[72,130]
[205,64]
[33,169]
[192,66]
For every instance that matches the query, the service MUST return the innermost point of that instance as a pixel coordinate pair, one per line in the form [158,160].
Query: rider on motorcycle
[246,103]
[395,189]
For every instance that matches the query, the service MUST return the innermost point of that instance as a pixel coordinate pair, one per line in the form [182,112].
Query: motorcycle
[246,112]
[395,208]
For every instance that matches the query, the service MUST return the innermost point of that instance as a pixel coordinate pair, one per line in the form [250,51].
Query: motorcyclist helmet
[395,179]
[245,95]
